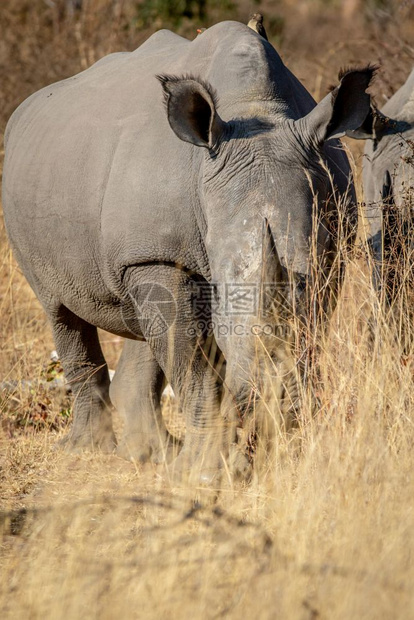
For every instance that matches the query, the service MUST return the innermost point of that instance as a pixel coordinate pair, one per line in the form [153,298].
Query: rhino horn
[272,270]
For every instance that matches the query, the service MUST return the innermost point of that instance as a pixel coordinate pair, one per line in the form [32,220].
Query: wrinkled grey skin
[388,171]
[108,187]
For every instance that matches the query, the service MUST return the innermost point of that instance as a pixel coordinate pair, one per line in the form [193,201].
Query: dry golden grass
[324,530]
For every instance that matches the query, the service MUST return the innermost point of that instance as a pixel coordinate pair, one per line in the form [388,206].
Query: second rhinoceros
[388,177]
[131,199]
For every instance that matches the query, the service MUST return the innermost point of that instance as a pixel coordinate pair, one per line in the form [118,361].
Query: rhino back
[82,147]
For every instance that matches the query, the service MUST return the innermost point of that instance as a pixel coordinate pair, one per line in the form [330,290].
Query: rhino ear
[344,109]
[191,110]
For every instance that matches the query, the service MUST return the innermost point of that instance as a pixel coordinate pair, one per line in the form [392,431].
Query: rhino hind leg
[136,392]
[86,371]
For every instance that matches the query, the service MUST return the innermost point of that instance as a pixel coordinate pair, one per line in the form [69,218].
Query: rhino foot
[104,441]
[198,471]
[208,461]
[187,469]
[142,449]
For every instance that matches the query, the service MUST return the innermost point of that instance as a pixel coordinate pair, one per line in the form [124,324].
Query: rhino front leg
[85,368]
[208,436]
[135,392]
[187,362]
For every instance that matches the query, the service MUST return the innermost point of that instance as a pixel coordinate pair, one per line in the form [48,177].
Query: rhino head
[268,186]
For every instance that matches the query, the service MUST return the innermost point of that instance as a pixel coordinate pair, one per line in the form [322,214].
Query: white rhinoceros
[163,185]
